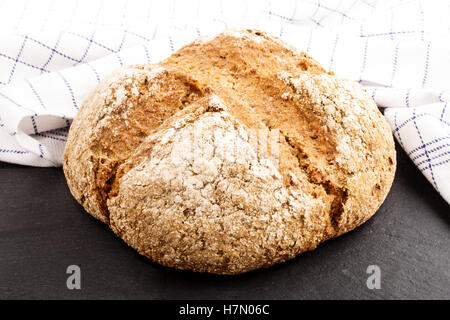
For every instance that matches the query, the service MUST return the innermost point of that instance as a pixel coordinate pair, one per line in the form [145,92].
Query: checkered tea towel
[54,53]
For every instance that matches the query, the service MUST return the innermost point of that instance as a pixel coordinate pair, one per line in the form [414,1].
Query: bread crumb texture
[235,153]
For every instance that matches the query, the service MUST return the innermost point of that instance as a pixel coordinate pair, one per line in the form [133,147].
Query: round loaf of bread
[234,153]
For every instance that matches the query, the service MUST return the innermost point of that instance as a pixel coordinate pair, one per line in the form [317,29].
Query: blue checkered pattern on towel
[53,53]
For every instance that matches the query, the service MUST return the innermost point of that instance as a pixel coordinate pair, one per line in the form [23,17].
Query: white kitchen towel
[54,53]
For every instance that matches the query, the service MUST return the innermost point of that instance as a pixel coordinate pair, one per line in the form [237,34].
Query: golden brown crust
[179,158]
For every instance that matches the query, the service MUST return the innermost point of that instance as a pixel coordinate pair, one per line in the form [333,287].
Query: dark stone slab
[43,230]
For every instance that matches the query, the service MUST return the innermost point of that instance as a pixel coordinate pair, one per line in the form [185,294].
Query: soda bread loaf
[234,153]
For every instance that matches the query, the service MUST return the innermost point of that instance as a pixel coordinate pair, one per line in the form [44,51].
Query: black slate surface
[43,230]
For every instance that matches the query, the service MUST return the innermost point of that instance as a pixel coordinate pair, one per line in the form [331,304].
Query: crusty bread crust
[171,156]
